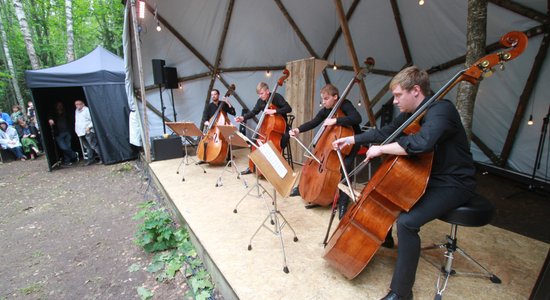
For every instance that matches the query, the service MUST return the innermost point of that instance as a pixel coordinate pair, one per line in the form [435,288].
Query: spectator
[4,116]
[59,122]
[10,141]
[28,134]
[84,128]
[16,114]
[31,114]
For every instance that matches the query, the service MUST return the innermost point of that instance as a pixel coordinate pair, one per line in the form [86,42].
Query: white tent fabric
[259,35]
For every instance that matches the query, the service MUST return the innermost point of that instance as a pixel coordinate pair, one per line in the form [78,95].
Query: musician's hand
[342,142]
[239,119]
[294,132]
[270,111]
[51,122]
[374,151]
[329,122]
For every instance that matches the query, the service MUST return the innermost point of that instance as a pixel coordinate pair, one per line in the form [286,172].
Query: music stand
[185,129]
[232,138]
[278,172]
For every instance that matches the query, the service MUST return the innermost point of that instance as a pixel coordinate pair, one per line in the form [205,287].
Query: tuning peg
[487,73]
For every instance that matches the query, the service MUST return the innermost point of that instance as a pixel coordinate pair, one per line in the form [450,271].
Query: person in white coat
[84,129]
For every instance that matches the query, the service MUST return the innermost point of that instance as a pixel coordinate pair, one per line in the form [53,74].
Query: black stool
[287,152]
[475,213]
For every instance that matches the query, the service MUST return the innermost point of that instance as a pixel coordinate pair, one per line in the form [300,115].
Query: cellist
[330,96]
[212,107]
[282,108]
[451,182]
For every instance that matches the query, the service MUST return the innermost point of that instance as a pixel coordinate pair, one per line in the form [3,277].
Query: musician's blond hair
[262,86]
[411,76]
[330,89]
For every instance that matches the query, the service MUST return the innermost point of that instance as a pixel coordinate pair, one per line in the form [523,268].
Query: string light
[156,19]
[358,102]
[530,122]
[421,2]
[334,67]
[267,73]
[180,86]
[158,26]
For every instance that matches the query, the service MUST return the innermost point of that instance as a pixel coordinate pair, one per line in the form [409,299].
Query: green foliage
[173,248]
[144,293]
[31,289]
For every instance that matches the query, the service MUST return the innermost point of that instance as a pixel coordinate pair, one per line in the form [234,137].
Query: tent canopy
[98,67]
[97,78]
[214,43]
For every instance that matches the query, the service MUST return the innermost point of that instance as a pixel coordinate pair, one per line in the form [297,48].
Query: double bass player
[451,182]
[351,118]
[280,107]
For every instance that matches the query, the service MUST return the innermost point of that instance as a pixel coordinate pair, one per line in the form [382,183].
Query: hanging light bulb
[358,102]
[530,122]
[421,2]
[180,86]
[334,67]
[158,26]
[267,73]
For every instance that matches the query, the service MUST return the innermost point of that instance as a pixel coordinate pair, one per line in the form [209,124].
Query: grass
[31,289]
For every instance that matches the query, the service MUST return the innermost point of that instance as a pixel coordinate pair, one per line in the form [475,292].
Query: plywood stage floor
[223,237]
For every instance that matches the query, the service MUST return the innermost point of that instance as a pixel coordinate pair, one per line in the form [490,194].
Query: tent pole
[145,126]
[173,107]
[162,108]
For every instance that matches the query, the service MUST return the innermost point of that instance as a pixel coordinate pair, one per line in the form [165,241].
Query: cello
[213,147]
[320,175]
[400,181]
[270,127]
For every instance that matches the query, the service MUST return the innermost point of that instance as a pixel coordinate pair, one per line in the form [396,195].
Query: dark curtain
[109,110]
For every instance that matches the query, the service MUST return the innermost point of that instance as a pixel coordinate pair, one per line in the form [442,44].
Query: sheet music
[271,156]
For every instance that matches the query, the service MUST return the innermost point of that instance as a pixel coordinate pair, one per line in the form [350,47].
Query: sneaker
[246,171]
[67,163]
[295,192]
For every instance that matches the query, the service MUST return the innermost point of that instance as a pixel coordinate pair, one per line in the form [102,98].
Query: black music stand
[278,172]
[232,138]
[185,129]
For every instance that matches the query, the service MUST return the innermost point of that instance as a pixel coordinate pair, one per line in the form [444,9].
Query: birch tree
[11,69]
[20,14]
[475,40]
[70,34]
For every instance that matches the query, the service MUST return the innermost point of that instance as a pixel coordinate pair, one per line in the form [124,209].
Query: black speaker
[158,73]
[168,148]
[387,114]
[170,78]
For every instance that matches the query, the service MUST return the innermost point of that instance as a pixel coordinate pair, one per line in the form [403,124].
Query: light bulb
[421,2]
[158,27]
[358,103]
[267,73]
[334,67]
[530,122]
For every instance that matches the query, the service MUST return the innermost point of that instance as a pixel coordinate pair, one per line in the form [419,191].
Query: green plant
[158,231]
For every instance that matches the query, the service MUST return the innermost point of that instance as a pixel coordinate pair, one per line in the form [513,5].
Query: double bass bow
[270,127]
[400,181]
[213,147]
[321,174]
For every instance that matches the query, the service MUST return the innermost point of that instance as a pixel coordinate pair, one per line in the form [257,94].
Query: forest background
[38,34]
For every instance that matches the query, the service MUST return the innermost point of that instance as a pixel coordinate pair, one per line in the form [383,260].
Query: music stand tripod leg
[256,187]
[231,163]
[274,214]
[186,160]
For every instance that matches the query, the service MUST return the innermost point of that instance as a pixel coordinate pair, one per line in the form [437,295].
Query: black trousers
[434,203]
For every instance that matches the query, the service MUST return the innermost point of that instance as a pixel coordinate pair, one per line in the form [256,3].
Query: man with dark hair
[59,120]
[451,182]
[213,106]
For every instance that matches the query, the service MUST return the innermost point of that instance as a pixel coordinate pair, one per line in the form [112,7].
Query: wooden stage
[222,238]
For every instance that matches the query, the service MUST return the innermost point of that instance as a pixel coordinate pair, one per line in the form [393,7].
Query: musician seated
[451,181]
[279,107]
[212,107]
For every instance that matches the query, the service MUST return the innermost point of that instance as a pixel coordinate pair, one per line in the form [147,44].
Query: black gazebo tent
[98,79]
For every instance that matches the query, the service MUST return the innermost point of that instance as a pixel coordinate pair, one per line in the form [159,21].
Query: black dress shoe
[393,296]
[295,192]
[388,243]
[246,171]
[342,208]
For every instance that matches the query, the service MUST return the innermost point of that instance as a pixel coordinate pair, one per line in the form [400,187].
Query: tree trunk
[20,13]
[70,33]
[476,37]
[11,69]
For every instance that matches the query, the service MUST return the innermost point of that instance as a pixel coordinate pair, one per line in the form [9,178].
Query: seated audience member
[28,134]
[6,117]
[16,114]
[10,141]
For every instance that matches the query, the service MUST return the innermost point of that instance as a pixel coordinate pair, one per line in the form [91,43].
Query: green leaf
[155,266]
[134,267]
[203,295]
[144,293]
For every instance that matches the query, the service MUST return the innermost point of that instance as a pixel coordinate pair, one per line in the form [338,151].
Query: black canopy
[97,78]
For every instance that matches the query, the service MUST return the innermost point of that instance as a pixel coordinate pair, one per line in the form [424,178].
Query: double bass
[213,147]
[270,127]
[320,175]
[400,181]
